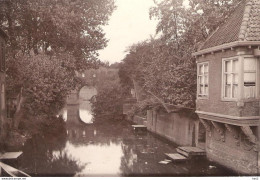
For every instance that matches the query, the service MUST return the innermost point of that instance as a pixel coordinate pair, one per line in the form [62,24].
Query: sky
[129,24]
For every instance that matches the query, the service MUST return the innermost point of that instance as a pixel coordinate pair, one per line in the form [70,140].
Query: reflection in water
[110,148]
[98,159]
[85,94]
[64,114]
[85,112]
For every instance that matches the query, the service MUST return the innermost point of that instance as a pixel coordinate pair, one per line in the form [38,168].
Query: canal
[110,148]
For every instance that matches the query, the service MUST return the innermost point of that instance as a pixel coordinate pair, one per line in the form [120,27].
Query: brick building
[228,90]
[3,38]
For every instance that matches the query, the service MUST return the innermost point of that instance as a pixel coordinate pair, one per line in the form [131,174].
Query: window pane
[206,79]
[206,68]
[250,77]
[228,78]
[199,79]
[203,79]
[235,90]
[206,89]
[235,78]
[235,66]
[249,64]
[201,89]
[227,91]
[227,66]
[249,91]
[200,69]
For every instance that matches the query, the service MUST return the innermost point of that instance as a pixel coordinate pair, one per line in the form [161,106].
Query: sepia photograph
[129,88]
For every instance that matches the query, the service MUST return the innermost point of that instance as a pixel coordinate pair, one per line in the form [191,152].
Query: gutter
[227,46]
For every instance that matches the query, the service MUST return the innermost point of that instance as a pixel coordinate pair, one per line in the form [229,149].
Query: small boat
[8,171]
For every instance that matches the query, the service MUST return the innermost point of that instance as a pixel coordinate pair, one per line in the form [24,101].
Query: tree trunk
[138,91]
[18,113]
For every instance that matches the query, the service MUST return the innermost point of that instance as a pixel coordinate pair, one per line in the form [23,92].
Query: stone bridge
[90,78]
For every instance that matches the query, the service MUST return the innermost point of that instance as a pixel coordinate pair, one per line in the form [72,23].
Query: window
[240,78]
[203,78]
[250,66]
[230,78]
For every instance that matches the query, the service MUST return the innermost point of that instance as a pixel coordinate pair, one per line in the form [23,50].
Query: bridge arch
[74,97]
[86,92]
[78,104]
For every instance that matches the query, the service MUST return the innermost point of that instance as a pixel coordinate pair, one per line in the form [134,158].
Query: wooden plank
[139,126]
[184,153]
[10,155]
[176,157]
[191,151]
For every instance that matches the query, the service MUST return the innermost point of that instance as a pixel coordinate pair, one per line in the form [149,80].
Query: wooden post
[197,124]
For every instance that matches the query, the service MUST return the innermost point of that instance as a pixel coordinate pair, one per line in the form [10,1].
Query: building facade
[3,37]
[228,89]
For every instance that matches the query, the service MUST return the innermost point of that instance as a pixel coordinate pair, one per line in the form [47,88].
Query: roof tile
[243,25]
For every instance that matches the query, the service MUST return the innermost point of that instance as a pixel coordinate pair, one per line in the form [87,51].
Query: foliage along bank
[108,103]
[48,42]
[164,67]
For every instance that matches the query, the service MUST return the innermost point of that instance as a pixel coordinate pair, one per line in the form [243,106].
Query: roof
[242,26]
[3,34]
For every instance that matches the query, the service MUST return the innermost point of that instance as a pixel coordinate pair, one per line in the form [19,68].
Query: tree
[165,67]
[48,42]
[171,16]
[161,73]
[190,25]
[68,26]
[108,103]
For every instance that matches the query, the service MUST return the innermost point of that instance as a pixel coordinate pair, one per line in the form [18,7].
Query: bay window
[203,78]
[239,78]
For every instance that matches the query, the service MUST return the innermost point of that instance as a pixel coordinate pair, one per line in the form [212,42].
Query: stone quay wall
[237,154]
[176,127]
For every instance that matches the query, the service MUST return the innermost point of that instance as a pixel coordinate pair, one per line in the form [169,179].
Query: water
[86,93]
[108,148]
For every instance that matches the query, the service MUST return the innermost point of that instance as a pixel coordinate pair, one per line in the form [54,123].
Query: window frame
[257,80]
[241,73]
[223,98]
[199,96]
